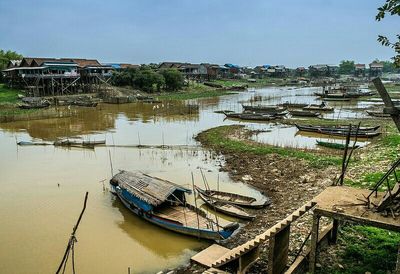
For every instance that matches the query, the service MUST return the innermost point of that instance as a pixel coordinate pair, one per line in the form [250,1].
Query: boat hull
[174,226]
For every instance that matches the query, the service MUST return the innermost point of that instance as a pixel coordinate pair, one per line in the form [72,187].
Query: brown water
[43,186]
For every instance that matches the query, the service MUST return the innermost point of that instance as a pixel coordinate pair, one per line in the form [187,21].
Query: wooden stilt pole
[195,203]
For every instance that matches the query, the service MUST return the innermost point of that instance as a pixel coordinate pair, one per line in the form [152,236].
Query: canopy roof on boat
[151,190]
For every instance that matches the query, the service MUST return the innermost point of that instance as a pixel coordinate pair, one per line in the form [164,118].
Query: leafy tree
[6,56]
[388,66]
[346,67]
[173,79]
[123,78]
[391,7]
[146,79]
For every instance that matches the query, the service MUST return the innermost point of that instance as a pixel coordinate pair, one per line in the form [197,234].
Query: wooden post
[335,227]
[278,251]
[314,243]
[389,106]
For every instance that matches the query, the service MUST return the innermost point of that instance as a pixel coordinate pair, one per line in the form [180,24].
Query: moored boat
[292,105]
[261,108]
[378,114]
[311,128]
[85,104]
[251,116]
[227,209]
[334,145]
[321,107]
[163,203]
[233,198]
[304,113]
[341,131]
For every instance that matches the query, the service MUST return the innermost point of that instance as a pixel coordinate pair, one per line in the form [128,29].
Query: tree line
[149,79]
[348,66]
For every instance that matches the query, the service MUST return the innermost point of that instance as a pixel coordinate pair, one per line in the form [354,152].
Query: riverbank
[290,178]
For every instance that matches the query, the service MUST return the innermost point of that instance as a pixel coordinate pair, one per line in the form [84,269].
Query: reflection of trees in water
[94,120]
[158,240]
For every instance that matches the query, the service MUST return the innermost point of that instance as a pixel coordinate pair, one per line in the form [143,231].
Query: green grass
[218,139]
[192,95]
[8,95]
[369,180]
[366,249]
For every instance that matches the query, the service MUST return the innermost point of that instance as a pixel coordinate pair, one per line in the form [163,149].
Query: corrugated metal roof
[149,189]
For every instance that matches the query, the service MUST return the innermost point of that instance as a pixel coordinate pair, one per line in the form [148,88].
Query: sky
[244,32]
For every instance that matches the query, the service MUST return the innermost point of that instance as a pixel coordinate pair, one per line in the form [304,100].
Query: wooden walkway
[248,253]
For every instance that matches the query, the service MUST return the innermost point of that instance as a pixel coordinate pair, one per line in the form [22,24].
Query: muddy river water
[42,187]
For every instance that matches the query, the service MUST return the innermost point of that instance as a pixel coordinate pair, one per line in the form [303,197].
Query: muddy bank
[288,181]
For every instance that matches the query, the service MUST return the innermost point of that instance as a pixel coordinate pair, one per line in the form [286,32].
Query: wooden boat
[227,209]
[292,105]
[261,108]
[85,104]
[342,99]
[35,106]
[311,128]
[304,113]
[334,145]
[251,116]
[67,143]
[318,107]
[377,114]
[163,203]
[233,199]
[339,131]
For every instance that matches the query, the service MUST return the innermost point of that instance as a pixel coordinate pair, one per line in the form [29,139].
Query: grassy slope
[8,95]
[217,138]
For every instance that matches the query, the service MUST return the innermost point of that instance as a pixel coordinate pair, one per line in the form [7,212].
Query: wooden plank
[314,242]
[210,255]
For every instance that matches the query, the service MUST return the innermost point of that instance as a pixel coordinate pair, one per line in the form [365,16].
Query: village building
[323,70]
[375,69]
[52,76]
[359,70]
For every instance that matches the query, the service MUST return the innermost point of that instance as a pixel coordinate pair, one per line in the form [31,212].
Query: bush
[173,79]
[147,79]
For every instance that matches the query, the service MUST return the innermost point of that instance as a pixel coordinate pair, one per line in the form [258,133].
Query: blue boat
[163,203]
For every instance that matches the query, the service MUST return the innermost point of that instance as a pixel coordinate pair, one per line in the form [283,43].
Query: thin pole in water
[138,134]
[112,171]
[195,203]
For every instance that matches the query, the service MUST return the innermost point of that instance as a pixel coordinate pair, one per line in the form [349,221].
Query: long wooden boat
[304,113]
[311,128]
[163,203]
[85,104]
[251,116]
[339,132]
[293,105]
[342,99]
[79,143]
[233,198]
[263,108]
[377,114]
[318,107]
[34,106]
[334,145]
[227,209]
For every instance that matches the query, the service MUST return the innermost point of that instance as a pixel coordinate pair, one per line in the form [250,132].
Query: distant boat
[251,116]
[227,209]
[67,143]
[368,132]
[334,145]
[378,113]
[35,105]
[261,108]
[292,105]
[163,203]
[85,104]
[318,107]
[304,113]
[337,99]
[233,198]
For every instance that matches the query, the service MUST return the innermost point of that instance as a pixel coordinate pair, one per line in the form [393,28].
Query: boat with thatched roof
[163,203]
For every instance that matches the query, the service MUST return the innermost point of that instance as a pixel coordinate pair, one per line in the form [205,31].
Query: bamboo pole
[195,203]
[72,238]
